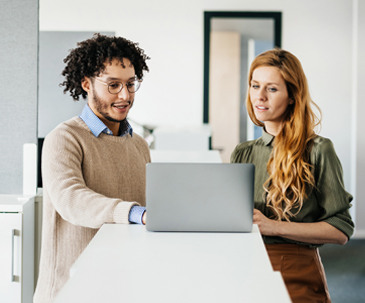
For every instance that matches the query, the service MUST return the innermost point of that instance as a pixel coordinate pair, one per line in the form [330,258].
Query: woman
[300,200]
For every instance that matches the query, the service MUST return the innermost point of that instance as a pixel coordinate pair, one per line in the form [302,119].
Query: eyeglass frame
[121,88]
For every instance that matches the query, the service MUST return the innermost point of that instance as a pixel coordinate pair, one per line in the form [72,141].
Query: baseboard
[359,234]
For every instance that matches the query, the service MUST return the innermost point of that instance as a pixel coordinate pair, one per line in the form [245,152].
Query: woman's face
[269,97]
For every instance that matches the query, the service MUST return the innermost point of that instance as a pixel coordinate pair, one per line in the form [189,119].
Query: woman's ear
[291,100]
[86,84]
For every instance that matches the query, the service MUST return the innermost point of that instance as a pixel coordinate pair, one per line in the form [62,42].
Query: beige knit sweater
[87,181]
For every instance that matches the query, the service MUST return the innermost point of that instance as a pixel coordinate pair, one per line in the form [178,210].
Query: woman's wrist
[280,228]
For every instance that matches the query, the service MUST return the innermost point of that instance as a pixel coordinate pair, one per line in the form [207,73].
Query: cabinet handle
[12,254]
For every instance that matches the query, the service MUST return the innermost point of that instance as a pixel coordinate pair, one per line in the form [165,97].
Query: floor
[345,271]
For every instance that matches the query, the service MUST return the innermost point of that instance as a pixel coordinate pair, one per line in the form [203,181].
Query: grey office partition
[18,88]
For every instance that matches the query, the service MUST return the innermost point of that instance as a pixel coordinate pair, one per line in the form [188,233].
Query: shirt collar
[266,137]
[97,126]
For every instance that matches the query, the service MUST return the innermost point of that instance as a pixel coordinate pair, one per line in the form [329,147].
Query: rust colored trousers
[302,271]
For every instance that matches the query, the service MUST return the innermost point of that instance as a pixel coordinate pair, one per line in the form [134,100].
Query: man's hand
[144,218]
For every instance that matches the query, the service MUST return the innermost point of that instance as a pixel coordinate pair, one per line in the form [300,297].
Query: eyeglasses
[115,87]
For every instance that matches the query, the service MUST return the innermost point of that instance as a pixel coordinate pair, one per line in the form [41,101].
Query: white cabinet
[16,249]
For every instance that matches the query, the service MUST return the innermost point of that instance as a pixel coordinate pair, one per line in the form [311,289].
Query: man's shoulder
[74,125]
[72,131]
[139,141]
[138,138]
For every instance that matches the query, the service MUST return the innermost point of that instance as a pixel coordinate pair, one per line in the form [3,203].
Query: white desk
[126,263]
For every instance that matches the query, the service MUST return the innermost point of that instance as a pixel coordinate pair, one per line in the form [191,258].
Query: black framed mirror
[231,41]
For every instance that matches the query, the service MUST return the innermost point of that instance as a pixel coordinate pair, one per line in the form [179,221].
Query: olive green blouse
[328,201]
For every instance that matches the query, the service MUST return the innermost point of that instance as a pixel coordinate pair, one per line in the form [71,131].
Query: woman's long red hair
[290,171]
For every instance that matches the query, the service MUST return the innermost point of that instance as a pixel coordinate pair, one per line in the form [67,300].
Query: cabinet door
[10,257]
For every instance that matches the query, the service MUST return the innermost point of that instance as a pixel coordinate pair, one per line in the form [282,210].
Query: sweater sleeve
[331,194]
[62,157]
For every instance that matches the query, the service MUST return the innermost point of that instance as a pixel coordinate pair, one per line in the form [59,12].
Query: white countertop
[13,203]
[126,263]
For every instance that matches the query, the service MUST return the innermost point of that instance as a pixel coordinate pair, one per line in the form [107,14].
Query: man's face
[112,108]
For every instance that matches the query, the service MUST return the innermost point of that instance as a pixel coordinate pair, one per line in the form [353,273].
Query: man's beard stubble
[100,107]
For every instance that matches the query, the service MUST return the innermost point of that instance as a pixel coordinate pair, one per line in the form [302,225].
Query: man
[93,166]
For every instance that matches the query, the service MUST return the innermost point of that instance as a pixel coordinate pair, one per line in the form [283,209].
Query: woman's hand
[315,233]
[267,226]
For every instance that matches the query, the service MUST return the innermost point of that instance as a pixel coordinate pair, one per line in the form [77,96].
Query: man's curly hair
[87,60]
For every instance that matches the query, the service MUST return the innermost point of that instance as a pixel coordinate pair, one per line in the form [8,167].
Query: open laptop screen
[201,197]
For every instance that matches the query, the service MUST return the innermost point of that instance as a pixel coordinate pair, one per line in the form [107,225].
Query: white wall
[171,32]
[359,166]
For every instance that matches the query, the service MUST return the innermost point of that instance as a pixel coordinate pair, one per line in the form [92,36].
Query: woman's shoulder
[319,140]
[243,150]
[323,150]
[246,144]
[322,145]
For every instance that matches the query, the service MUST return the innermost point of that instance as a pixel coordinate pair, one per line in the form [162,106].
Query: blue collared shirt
[97,127]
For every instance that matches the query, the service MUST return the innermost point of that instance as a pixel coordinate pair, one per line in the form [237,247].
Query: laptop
[199,197]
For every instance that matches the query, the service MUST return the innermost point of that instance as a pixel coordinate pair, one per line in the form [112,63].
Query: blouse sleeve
[332,197]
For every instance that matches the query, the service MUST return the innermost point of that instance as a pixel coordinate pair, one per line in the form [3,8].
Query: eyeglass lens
[116,87]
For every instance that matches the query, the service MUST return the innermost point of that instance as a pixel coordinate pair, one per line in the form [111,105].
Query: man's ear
[86,84]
